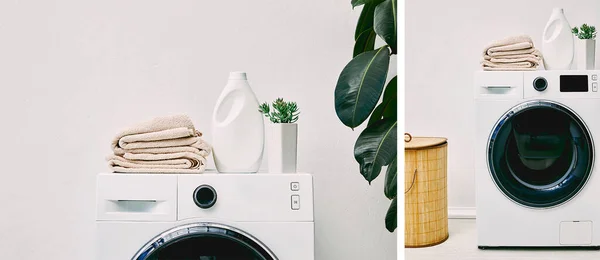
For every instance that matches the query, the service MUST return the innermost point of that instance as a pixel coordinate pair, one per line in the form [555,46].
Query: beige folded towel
[522,64]
[512,53]
[185,141]
[200,147]
[158,163]
[168,134]
[162,145]
[509,44]
[533,60]
[160,128]
[509,69]
[516,52]
[505,55]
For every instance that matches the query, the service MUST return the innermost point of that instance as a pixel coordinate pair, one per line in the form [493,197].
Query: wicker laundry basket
[425,198]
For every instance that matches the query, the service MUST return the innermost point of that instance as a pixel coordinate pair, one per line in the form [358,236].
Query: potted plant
[362,95]
[282,135]
[586,46]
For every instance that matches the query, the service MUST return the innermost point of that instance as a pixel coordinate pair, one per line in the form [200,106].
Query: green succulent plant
[283,112]
[585,32]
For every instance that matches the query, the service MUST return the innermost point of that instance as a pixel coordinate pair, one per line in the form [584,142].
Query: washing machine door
[540,154]
[204,241]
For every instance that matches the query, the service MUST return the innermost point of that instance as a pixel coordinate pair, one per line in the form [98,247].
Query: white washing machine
[537,182]
[205,217]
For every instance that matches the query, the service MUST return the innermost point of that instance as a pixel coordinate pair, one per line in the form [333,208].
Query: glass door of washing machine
[540,154]
[204,241]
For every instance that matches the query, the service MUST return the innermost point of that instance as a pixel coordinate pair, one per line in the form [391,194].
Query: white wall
[74,72]
[444,44]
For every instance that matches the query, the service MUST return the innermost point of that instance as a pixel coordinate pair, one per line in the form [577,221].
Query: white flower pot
[282,141]
[586,54]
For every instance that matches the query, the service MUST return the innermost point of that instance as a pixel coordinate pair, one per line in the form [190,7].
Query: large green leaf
[388,107]
[376,147]
[391,217]
[386,22]
[391,109]
[391,184]
[365,42]
[365,21]
[376,115]
[360,85]
[390,99]
[356,3]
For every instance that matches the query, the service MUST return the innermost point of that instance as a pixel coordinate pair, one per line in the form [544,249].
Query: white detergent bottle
[237,128]
[557,42]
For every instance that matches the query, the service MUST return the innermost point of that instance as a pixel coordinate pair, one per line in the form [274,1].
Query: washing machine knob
[205,196]
[540,84]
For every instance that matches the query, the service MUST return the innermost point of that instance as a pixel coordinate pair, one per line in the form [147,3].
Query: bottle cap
[237,75]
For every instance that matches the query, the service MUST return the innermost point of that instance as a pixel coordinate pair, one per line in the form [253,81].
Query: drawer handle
[136,200]
[134,206]
[497,87]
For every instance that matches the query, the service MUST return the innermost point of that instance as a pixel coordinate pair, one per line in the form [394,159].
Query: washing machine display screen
[573,83]
[540,154]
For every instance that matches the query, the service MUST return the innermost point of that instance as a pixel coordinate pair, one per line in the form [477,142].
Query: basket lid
[417,143]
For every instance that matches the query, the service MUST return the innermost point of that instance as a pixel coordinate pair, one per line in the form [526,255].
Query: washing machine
[537,182]
[205,217]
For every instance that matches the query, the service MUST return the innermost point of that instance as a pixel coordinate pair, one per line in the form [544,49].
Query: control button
[295,186]
[594,77]
[295,202]
[540,84]
[595,87]
[205,196]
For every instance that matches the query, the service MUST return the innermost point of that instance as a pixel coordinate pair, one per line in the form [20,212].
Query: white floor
[461,245]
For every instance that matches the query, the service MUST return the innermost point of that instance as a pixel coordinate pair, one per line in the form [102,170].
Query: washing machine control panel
[245,197]
[569,83]
[550,84]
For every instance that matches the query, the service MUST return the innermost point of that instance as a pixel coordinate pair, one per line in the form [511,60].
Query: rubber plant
[358,97]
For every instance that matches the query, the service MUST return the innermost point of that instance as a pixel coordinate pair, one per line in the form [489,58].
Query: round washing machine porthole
[204,241]
[540,154]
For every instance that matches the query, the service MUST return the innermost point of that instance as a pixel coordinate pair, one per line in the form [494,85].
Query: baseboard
[461,212]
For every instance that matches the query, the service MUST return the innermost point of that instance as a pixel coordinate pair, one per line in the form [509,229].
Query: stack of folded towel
[162,145]
[513,53]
